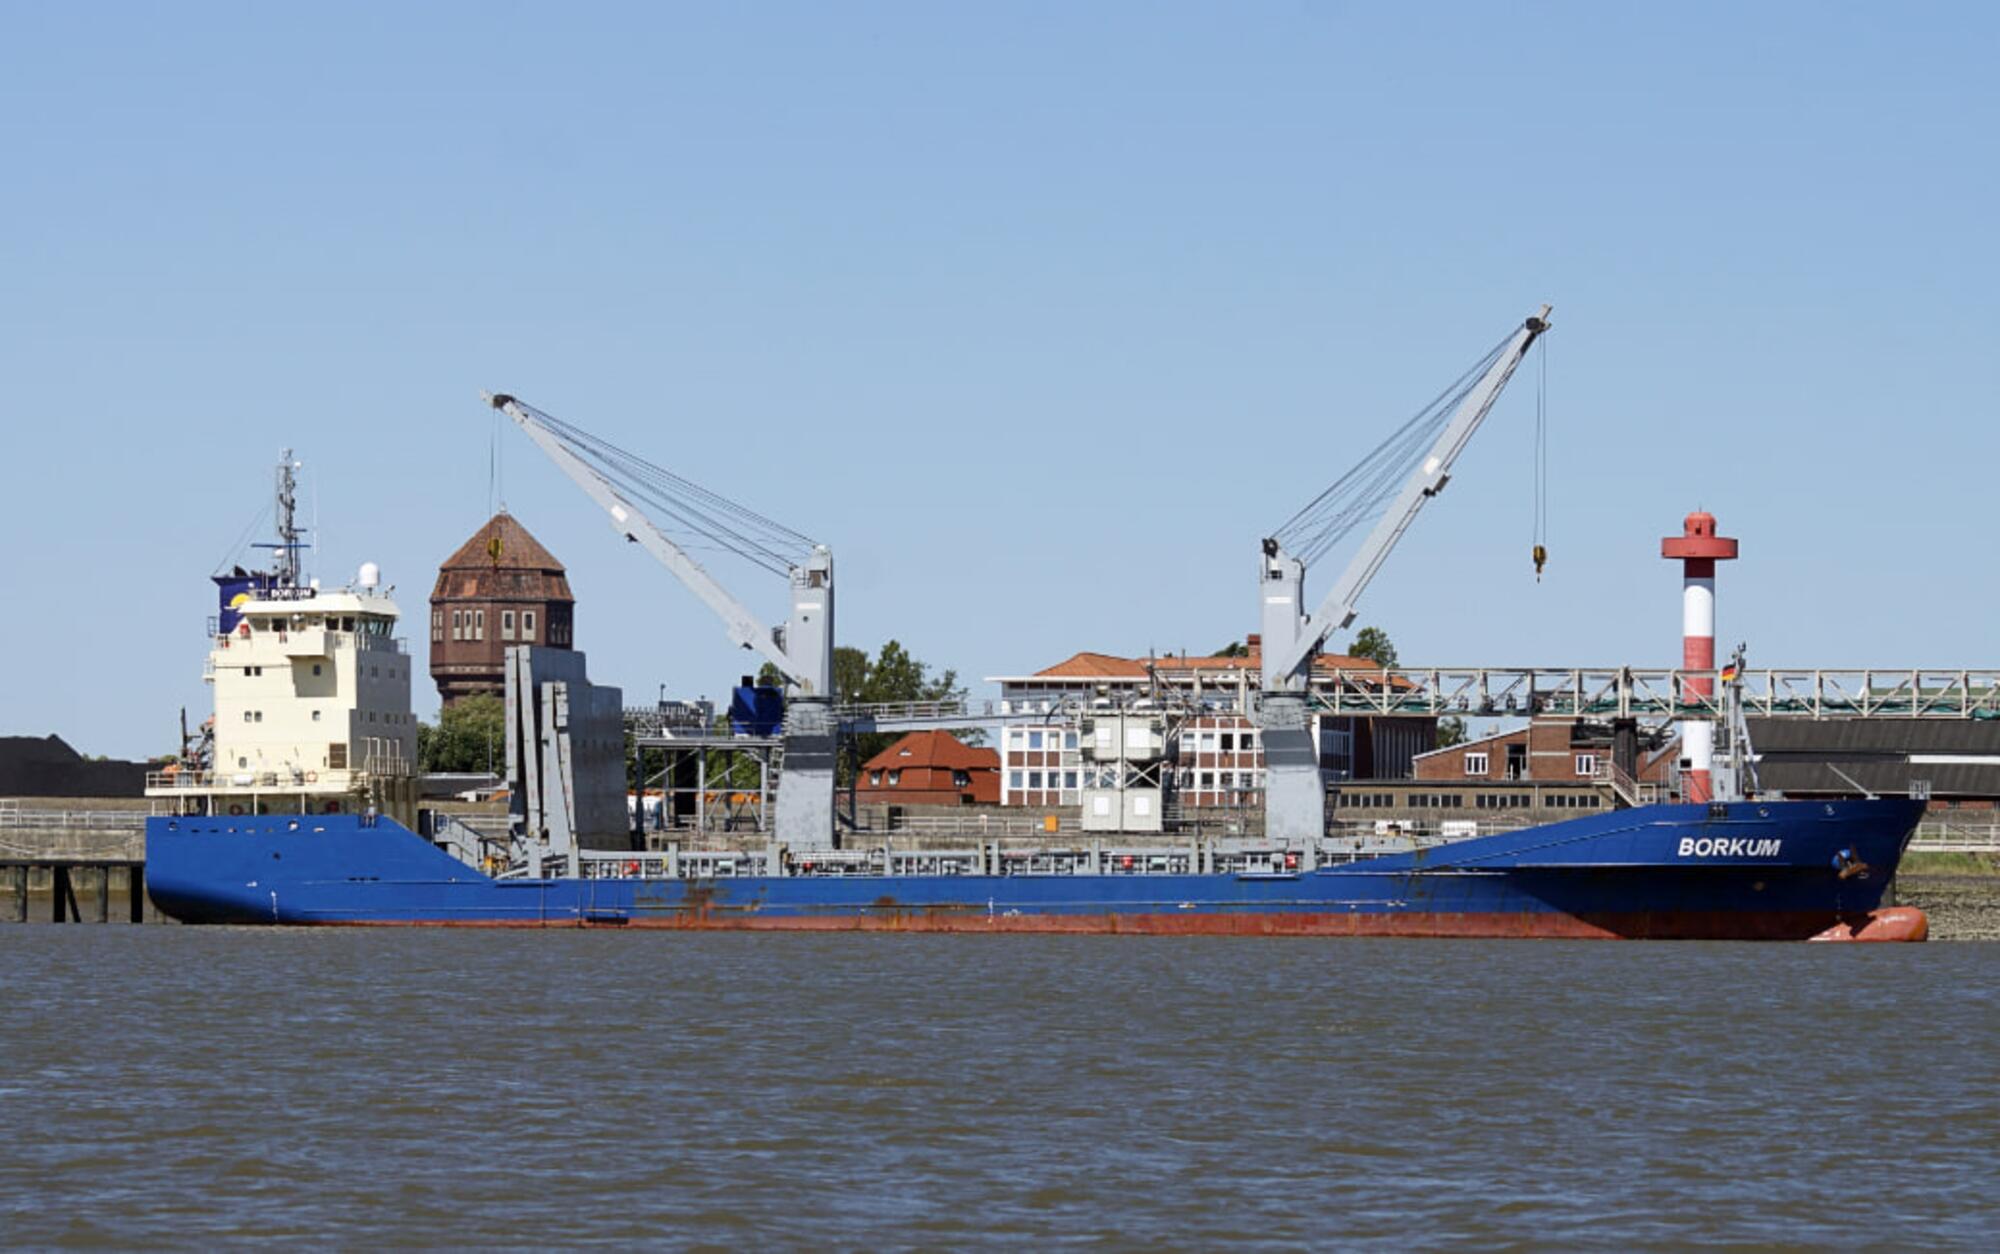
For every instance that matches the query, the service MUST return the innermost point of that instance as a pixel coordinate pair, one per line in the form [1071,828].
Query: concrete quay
[71,864]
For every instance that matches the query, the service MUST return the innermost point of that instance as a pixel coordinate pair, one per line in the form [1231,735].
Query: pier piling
[62,897]
[17,893]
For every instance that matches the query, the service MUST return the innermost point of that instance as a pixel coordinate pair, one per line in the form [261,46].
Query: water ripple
[168,1086]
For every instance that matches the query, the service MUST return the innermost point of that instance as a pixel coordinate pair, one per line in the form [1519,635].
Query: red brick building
[501,588]
[930,768]
[1547,750]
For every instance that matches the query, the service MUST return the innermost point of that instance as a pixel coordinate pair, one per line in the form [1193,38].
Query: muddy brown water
[183,1086]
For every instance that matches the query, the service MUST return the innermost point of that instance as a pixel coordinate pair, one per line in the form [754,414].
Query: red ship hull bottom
[1892,923]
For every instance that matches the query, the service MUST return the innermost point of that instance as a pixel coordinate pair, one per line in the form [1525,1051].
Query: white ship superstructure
[312,699]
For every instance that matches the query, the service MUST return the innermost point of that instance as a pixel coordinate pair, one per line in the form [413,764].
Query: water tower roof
[502,544]
[502,560]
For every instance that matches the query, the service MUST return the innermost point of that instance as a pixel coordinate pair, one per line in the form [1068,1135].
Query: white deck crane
[1295,794]
[801,649]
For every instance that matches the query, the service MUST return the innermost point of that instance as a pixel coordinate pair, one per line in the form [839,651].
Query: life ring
[236,809]
[312,777]
[243,630]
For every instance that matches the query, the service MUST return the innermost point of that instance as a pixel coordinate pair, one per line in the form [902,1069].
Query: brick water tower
[1698,549]
[501,588]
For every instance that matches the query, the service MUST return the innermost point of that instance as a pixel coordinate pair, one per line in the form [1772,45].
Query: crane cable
[699,512]
[1541,520]
[1363,494]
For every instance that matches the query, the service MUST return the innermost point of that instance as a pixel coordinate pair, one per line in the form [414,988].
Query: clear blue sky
[1040,314]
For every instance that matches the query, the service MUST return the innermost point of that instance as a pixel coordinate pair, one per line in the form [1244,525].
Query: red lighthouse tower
[1698,549]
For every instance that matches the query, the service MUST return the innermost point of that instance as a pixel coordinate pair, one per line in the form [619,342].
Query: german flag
[1729,673]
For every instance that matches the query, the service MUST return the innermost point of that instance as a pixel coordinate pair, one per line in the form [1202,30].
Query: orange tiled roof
[936,749]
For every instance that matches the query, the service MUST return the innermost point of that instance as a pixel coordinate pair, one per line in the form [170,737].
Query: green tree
[1373,643]
[1235,648]
[1451,731]
[471,735]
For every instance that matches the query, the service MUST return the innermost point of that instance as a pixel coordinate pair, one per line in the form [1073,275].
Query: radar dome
[371,575]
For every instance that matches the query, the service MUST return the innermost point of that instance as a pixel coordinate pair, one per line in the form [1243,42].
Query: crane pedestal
[806,787]
[1294,794]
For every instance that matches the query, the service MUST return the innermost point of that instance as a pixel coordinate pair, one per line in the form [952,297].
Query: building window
[1016,738]
[1014,780]
[1035,739]
[1229,742]
[1069,740]
[895,779]
[1035,780]
[1069,779]
[1477,764]
[527,624]
[457,627]
[961,779]
[506,624]
[874,779]
[479,624]
[1586,764]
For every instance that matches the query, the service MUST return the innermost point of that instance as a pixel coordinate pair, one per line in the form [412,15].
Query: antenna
[288,529]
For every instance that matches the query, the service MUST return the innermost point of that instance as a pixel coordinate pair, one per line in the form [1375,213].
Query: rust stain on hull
[1898,923]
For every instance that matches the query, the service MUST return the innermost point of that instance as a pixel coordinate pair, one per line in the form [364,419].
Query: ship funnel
[371,575]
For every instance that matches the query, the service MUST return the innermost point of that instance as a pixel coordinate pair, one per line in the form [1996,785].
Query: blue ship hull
[1748,870]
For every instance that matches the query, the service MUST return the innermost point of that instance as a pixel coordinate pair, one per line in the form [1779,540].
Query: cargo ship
[303,811]
[1786,870]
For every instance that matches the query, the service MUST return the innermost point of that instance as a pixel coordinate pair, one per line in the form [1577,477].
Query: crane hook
[1541,560]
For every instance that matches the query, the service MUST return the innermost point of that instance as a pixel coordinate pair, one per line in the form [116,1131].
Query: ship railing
[1248,857]
[316,641]
[984,824]
[285,781]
